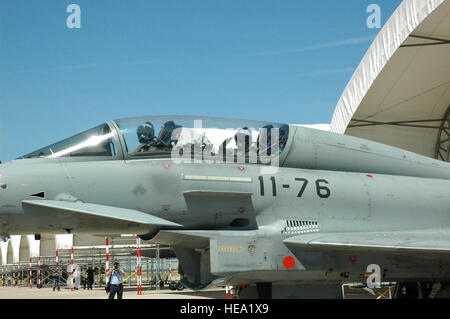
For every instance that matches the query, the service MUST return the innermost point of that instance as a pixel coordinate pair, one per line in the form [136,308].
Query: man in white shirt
[77,278]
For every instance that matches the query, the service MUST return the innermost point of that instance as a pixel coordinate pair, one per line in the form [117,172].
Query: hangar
[400,93]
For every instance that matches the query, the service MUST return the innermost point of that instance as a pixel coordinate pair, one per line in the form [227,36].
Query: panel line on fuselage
[218,178]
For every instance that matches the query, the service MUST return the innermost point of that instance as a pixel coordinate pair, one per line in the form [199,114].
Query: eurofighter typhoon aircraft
[275,210]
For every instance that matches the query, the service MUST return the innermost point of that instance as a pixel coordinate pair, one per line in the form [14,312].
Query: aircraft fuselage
[334,201]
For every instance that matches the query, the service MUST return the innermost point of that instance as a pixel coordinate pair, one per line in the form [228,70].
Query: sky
[284,61]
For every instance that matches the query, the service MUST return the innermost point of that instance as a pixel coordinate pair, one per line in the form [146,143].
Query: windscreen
[98,141]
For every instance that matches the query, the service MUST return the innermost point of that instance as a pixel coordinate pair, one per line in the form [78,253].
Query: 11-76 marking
[321,190]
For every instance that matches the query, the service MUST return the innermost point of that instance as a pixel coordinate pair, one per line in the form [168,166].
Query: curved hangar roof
[400,93]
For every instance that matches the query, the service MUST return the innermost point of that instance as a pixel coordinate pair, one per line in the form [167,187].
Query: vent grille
[300,226]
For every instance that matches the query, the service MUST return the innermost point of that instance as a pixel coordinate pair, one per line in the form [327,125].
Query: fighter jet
[274,210]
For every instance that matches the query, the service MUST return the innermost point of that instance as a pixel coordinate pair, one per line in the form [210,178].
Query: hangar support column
[4,252]
[442,151]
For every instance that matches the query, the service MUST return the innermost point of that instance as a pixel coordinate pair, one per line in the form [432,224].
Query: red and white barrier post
[57,265]
[107,258]
[229,292]
[39,273]
[72,278]
[139,266]
[31,276]
[19,275]
[14,275]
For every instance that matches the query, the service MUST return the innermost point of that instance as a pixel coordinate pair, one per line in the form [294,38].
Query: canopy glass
[98,141]
[169,136]
[181,135]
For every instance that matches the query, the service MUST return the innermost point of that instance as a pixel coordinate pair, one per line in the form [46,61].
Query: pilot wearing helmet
[167,138]
[272,140]
[240,150]
[244,146]
[146,136]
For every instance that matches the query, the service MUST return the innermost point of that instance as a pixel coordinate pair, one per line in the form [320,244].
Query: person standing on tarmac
[90,277]
[56,281]
[84,277]
[77,278]
[116,280]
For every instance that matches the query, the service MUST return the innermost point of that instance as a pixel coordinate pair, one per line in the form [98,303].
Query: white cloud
[325,72]
[75,67]
[318,46]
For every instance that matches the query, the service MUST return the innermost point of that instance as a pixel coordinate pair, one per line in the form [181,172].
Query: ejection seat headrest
[169,134]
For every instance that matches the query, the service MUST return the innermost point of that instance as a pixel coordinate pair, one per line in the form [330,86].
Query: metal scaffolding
[154,271]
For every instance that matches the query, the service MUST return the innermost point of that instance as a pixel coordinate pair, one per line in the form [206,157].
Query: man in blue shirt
[56,276]
[115,281]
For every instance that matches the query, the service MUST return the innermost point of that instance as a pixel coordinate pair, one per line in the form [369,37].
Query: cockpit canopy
[169,136]
[98,141]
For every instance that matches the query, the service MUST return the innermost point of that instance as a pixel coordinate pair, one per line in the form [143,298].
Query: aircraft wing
[81,215]
[189,238]
[430,241]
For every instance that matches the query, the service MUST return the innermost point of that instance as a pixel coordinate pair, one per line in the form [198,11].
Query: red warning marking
[368,175]
[241,168]
[166,166]
[352,259]
[165,206]
[289,262]
[441,263]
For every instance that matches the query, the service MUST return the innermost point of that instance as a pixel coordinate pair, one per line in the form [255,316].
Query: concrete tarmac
[131,293]
[100,293]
